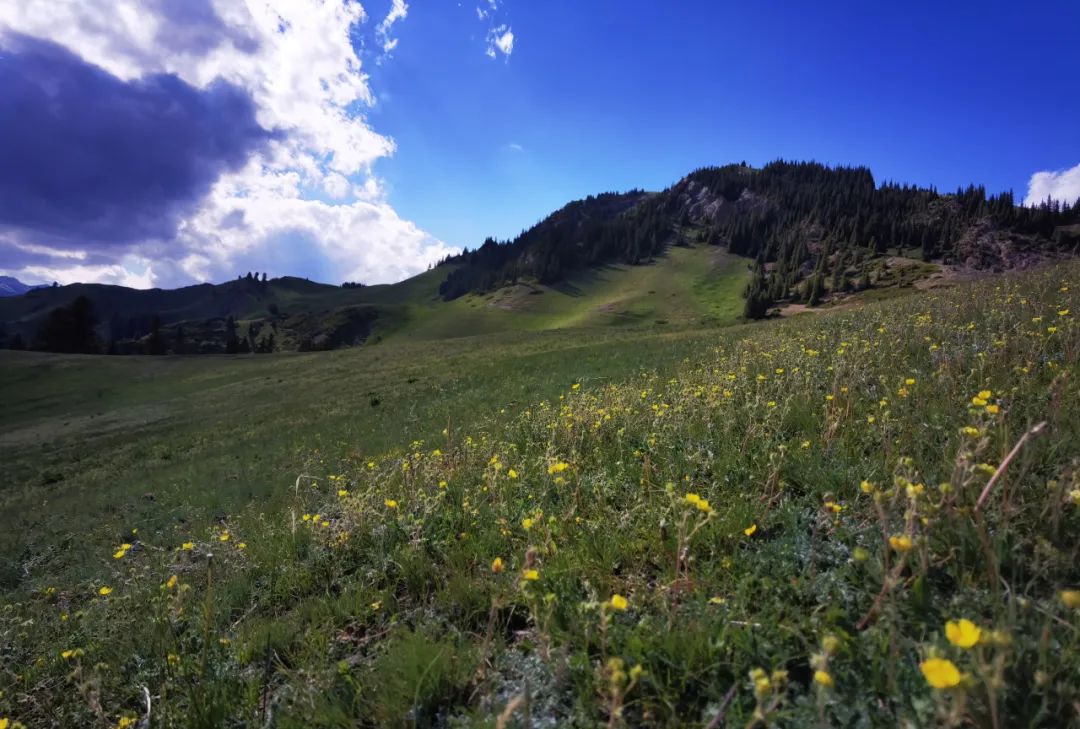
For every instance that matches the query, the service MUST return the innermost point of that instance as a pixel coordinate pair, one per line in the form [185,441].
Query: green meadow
[587,505]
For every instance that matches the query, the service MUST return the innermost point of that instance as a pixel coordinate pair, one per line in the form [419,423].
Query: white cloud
[134,272]
[504,40]
[398,11]
[1061,185]
[336,186]
[297,61]
[501,39]
[515,147]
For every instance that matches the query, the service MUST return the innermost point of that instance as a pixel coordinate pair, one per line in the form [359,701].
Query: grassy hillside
[866,518]
[685,286]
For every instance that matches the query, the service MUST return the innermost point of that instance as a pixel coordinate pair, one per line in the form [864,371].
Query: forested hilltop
[811,228]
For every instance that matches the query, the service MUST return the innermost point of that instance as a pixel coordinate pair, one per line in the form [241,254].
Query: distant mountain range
[808,233]
[10,286]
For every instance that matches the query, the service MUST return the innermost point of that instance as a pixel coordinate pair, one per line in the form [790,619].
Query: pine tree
[179,341]
[156,343]
[232,343]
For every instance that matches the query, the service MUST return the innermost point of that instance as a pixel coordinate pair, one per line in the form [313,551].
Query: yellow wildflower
[866,487]
[104,590]
[187,546]
[527,523]
[941,673]
[497,565]
[618,602]
[170,583]
[390,503]
[962,633]
[1070,598]
[224,537]
[823,678]
[993,409]
[343,492]
[531,575]
[749,531]
[511,473]
[900,542]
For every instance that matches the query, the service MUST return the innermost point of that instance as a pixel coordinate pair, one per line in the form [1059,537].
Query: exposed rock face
[984,247]
[699,205]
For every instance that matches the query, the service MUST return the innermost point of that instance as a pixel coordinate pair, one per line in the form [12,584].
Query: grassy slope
[685,287]
[385,609]
[84,438]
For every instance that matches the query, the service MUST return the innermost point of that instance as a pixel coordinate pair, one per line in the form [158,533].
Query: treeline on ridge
[809,227]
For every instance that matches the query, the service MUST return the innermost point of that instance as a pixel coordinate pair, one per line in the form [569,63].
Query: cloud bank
[150,142]
[162,142]
[1062,185]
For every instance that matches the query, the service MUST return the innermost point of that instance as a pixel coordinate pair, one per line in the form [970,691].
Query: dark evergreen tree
[155,343]
[69,329]
[179,340]
[232,342]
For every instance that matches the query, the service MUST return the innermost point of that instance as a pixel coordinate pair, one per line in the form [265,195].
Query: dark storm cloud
[86,158]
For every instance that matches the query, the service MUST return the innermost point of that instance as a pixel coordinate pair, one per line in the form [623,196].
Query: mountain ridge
[11,286]
[820,226]
[808,233]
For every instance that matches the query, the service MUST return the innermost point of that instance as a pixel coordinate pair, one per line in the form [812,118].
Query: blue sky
[156,143]
[602,96]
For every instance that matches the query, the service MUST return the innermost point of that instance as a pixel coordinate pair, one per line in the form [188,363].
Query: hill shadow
[574,285]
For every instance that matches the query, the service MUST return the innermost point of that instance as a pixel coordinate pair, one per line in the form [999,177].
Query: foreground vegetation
[867,517]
